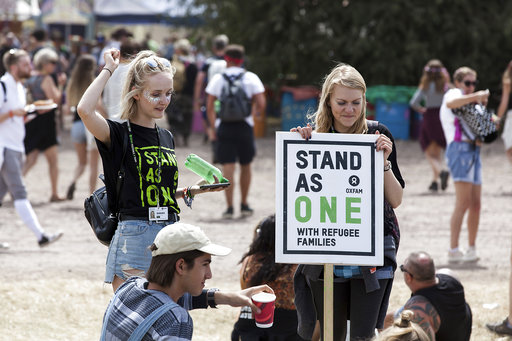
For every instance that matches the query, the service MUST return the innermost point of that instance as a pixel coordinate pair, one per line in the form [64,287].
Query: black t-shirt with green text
[143,186]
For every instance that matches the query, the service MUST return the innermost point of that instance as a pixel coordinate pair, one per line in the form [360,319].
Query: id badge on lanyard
[158,213]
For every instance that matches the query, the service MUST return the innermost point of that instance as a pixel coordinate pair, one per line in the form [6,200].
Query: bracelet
[105,68]
[387,166]
[210,297]
[188,197]
[11,114]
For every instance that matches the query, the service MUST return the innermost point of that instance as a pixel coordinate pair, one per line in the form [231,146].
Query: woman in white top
[463,158]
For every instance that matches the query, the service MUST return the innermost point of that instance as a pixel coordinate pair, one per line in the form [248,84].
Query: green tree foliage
[388,41]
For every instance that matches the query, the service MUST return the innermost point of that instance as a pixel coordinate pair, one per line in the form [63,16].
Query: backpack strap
[4,87]
[372,126]
[143,328]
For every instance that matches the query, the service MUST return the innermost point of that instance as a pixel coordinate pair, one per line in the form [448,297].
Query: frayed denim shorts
[128,253]
[463,159]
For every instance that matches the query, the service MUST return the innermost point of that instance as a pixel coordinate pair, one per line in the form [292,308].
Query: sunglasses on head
[152,62]
[470,83]
[405,270]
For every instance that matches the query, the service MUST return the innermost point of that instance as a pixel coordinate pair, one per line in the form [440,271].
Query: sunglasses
[405,270]
[469,83]
[152,62]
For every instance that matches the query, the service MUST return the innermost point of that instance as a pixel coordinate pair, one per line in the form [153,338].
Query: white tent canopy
[20,10]
[143,11]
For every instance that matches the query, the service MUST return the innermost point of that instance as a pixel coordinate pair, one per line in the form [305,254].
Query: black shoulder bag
[102,221]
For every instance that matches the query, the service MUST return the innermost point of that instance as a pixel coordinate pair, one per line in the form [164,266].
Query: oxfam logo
[353,180]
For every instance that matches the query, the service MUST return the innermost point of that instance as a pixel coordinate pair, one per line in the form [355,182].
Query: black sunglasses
[469,83]
[405,270]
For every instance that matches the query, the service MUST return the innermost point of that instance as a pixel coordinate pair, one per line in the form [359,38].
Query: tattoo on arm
[424,314]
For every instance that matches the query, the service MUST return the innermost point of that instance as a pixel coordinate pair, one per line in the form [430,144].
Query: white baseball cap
[180,237]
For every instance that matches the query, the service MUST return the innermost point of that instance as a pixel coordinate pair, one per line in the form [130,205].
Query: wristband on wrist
[11,114]
[387,166]
[105,68]
[210,297]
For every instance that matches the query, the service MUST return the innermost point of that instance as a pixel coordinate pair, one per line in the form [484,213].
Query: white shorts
[506,135]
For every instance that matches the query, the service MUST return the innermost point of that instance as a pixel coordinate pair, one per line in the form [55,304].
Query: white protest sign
[329,199]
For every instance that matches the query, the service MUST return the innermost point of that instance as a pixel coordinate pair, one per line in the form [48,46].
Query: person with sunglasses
[148,195]
[437,300]
[463,159]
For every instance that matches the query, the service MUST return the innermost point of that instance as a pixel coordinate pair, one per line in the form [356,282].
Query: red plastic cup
[266,303]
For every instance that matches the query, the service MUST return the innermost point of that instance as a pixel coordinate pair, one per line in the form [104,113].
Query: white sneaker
[47,239]
[455,256]
[471,256]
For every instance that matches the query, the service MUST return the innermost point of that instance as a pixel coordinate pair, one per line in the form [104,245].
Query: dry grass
[58,294]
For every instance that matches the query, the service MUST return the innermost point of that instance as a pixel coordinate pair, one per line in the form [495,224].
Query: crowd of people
[116,92]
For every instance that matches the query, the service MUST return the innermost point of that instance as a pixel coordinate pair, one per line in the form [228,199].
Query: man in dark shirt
[437,299]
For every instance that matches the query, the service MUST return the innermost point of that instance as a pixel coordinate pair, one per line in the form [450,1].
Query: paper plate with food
[46,104]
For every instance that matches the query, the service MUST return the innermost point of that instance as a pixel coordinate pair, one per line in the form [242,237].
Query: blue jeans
[129,248]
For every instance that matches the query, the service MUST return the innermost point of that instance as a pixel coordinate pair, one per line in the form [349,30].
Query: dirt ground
[57,293]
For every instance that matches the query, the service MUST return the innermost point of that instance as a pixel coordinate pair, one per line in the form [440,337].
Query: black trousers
[366,311]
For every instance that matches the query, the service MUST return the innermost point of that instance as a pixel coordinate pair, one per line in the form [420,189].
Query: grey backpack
[235,106]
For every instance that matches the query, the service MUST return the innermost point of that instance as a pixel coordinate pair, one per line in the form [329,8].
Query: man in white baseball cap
[157,306]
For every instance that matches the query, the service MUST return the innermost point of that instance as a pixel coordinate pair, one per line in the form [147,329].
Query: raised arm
[479,96]
[86,108]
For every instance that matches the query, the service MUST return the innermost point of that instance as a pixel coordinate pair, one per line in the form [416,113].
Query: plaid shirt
[134,303]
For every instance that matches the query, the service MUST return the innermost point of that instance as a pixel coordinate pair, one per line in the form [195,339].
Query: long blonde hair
[138,73]
[81,77]
[348,76]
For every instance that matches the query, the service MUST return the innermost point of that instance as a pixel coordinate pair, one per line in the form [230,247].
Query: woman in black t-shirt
[147,200]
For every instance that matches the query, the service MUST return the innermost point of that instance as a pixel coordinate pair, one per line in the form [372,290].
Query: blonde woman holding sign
[361,293]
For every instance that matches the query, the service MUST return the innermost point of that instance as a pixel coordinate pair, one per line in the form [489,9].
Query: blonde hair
[344,75]
[138,73]
[404,329]
[462,72]
[44,56]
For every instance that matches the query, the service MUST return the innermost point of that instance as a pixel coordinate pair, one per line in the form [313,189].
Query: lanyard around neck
[158,159]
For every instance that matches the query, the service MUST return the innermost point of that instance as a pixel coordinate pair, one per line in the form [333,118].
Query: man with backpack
[205,74]
[241,97]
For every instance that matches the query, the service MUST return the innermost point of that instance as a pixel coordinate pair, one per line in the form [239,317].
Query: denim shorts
[129,248]
[78,132]
[463,159]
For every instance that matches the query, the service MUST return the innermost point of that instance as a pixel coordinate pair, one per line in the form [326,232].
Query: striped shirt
[134,302]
